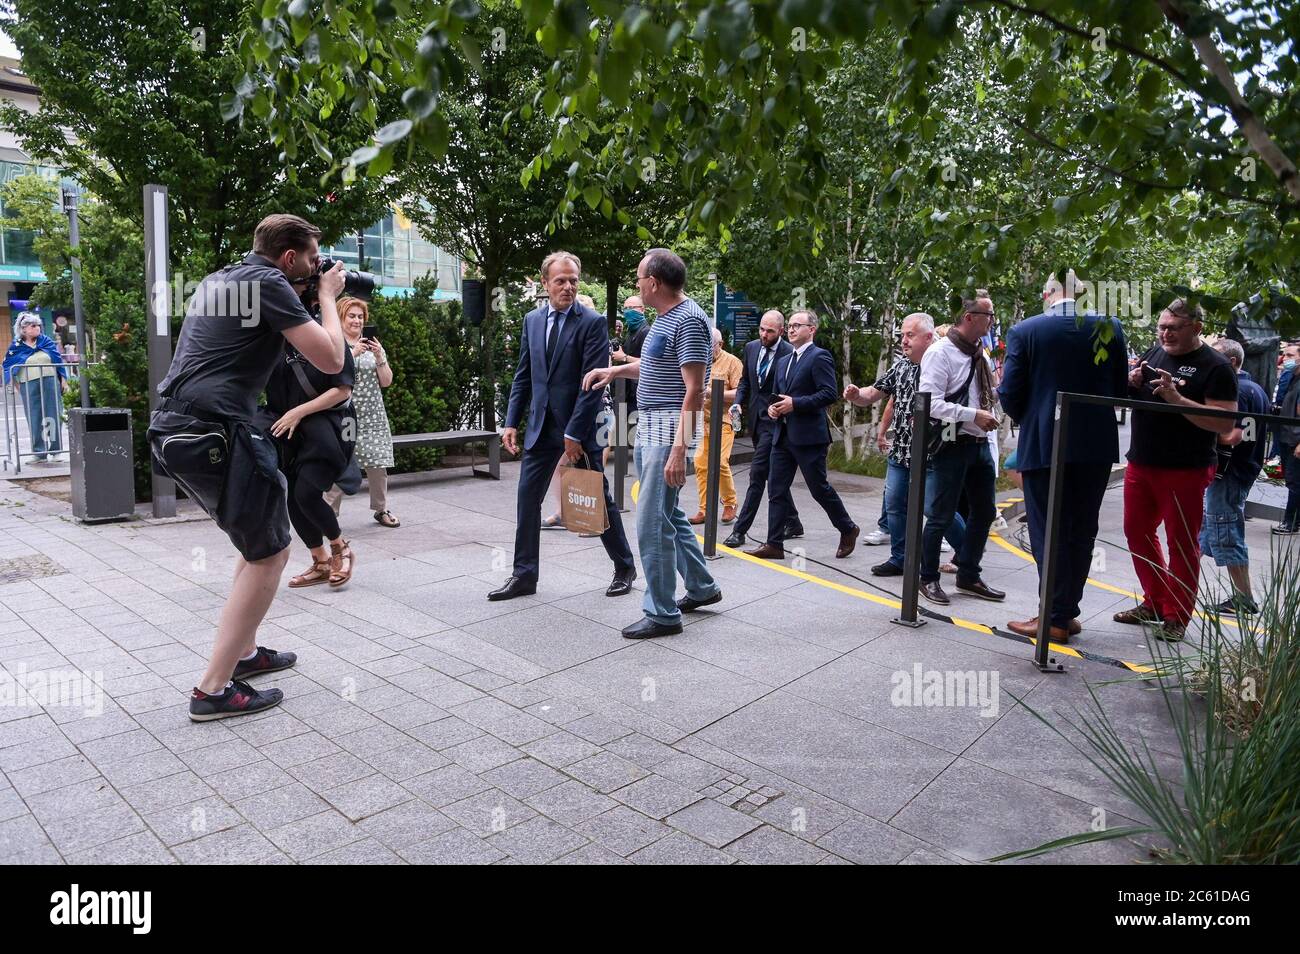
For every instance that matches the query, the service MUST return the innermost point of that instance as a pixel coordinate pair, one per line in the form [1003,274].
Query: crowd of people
[262,471]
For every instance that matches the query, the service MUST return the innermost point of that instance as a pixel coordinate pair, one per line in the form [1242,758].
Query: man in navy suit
[1052,352]
[806,388]
[758,390]
[560,343]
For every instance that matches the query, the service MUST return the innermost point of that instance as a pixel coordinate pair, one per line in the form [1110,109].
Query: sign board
[736,315]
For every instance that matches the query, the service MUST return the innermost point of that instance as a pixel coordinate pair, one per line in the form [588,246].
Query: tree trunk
[1256,134]
[612,311]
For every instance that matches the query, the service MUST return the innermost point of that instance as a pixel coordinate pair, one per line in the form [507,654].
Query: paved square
[424,724]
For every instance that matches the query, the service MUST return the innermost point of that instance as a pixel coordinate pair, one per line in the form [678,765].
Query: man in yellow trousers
[727,369]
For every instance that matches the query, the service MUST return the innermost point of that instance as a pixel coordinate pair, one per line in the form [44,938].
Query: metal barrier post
[1047,559]
[621,449]
[715,468]
[907,615]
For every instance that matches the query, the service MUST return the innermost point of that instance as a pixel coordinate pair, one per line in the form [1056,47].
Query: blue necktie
[763,366]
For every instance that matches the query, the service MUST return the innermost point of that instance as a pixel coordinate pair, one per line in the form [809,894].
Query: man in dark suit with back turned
[561,342]
[805,385]
[758,390]
[1051,352]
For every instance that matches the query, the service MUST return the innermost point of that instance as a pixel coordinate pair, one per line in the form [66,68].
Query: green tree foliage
[1180,115]
[130,94]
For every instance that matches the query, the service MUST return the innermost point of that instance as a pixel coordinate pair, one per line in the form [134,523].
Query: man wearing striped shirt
[674,364]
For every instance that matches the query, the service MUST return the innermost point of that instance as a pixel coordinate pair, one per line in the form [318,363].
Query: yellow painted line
[869,597]
[1012,548]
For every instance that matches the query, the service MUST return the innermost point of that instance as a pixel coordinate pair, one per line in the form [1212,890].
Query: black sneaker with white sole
[239,698]
[266,660]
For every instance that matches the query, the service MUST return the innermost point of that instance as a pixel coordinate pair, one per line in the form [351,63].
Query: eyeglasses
[798,324]
[1170,329]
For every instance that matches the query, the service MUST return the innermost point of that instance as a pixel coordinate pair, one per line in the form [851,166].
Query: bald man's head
[771,327]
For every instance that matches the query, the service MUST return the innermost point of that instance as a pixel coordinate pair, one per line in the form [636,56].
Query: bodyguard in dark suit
[805,384]
[560,343]
[758,390]
[1048,353]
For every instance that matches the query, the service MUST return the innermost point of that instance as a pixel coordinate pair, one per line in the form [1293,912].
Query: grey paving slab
[537,841]
[524,777]
[657,796]
[405,825]
[679,849]
[561,748]
[668,685]
[605,771]
[571,803]
[897,698]
[367,796]
[548,636]
[623,830]
[314,835]
[978,813]
[454,847]
[861,765]
[281,805]
[712,823]
[488,812]
[866,841]
[768,846]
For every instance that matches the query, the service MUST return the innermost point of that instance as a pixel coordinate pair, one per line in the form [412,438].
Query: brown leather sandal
[320,572]
[340,555]
[386,519]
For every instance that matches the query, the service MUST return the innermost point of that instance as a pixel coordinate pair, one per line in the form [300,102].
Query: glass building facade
[394,250]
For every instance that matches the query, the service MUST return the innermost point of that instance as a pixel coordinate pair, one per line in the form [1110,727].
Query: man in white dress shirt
[958,375]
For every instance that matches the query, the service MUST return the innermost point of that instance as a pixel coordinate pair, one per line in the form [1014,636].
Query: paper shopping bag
[582,500]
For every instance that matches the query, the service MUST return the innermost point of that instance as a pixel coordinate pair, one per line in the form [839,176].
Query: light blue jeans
[666,541]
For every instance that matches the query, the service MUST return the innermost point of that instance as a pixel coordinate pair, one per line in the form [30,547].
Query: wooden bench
[454,438]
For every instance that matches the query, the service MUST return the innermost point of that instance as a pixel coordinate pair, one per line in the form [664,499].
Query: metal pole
[907,615]
[1047,559]
[620,442]
[159,325]
[74,240]
[714,473]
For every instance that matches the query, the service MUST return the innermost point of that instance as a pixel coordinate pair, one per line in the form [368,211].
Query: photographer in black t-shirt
[233,336]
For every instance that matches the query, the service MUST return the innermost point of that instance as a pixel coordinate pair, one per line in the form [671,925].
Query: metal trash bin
[103,471]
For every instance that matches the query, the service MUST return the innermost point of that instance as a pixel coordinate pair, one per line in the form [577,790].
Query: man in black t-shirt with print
[1171,461]
[233,336]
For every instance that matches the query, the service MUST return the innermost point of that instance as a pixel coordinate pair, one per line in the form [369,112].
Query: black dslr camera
[355,284]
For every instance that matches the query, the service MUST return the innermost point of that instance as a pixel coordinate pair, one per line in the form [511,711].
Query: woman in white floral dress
[374,436]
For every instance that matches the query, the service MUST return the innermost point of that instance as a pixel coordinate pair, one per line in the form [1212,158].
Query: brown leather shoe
[1075,627]
[848,540]
[1029,628]
[767,552]
[698,518]
[729,513]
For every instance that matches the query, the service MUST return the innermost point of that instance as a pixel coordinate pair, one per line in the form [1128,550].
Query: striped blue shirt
[679,336]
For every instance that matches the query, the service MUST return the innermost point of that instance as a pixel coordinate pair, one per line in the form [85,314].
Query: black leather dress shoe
[688,605]
[793,529]
[621,585]
[982,590]
[886,569]
[648,629]
[734,541]
[513,587]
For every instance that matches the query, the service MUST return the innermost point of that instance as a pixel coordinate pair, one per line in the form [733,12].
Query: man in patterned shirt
[670,374]
[900,381]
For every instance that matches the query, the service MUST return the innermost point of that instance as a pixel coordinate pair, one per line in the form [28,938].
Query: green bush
[436,361]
